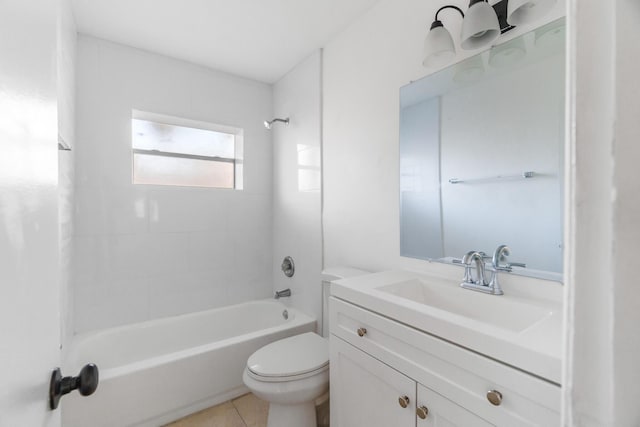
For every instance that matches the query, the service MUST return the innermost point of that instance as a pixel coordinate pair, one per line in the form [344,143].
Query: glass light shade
[480,26]
[521,12]
[507,54]
[551,36]
[438,47]
[469,70]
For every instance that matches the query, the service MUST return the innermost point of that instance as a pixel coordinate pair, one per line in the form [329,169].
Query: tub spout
[283,293]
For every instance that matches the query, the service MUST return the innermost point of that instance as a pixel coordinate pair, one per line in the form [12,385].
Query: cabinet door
[365,392]
[443,412]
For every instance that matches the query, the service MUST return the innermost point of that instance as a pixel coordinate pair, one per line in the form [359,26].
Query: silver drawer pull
[494,397]
[422,412]
[362,332]
[403,401]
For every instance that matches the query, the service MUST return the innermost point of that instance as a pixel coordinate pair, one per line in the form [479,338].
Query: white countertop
[522,328]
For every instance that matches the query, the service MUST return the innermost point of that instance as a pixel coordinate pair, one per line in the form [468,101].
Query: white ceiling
[258,39]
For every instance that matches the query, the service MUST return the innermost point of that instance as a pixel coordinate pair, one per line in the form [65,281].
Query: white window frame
[238,181]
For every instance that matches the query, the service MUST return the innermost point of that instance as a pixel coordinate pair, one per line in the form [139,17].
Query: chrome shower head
[269,124]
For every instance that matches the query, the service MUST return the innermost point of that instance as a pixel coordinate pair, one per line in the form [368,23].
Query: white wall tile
[106,209]
[186,247]
[297,211]
[196,292]
[181,209]
[210,252]
[166,253]
[111,302]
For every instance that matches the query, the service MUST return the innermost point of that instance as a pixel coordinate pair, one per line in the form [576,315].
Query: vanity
[409,349]
[481,152]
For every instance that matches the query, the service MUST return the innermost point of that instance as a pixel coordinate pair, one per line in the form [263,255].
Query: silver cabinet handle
[422,412]
[403,401]
[494,397]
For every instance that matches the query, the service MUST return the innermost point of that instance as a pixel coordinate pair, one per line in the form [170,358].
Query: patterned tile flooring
[245,411]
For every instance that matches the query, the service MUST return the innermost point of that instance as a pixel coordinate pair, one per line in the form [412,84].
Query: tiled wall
[297,182]
[145,252]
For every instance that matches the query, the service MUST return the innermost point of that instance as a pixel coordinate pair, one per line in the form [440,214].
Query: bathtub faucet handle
[288,267]
[283,293]
[86,383]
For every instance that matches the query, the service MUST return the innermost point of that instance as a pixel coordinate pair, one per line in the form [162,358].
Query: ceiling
[257,39]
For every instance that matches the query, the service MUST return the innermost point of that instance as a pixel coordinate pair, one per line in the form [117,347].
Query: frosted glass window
[159,170]
[173,154]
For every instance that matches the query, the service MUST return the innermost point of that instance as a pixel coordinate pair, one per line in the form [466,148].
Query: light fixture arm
[438,23]
[449,6]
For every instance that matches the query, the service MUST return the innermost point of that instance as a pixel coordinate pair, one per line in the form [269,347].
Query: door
[367,393]
[29,289]
[435,410]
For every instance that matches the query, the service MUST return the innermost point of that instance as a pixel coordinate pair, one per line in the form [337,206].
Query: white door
[29,290]
[365,392]
[435,410]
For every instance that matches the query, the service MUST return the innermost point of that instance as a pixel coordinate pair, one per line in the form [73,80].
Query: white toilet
[290,374]
[293,372]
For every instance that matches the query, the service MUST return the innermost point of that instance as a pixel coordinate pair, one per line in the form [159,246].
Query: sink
[498,311]
[521,328]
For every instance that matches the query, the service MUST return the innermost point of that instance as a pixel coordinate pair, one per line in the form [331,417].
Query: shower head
[269,124]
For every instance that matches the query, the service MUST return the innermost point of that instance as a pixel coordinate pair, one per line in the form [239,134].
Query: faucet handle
[508,267]
[517,264]
[500,254]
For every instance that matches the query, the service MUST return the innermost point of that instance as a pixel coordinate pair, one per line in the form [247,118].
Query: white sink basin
[521,328]
[499,312]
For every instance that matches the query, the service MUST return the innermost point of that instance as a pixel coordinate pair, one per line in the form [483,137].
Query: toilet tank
[329,275]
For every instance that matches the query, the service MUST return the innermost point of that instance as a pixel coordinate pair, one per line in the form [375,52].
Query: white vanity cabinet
[369,391]
[373,394]
[376,362]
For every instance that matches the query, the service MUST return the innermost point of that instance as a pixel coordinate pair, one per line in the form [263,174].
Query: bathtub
[155,372]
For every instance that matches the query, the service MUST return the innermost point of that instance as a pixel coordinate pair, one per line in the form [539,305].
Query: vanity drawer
[456,373]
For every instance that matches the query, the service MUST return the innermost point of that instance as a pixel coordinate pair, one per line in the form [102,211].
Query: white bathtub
[155,372]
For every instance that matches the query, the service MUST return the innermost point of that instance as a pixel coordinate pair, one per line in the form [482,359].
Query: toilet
[293,372]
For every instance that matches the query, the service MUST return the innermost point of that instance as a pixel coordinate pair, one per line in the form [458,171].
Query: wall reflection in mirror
[481,155]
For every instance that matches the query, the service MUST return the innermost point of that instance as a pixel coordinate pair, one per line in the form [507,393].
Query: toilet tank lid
[337,273]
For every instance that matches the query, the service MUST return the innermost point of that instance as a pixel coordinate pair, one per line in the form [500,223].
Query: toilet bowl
[290,374]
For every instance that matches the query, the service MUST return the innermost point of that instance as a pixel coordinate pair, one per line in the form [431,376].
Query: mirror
[481,155]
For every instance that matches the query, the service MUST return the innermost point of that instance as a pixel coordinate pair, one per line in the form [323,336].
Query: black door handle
[86,383]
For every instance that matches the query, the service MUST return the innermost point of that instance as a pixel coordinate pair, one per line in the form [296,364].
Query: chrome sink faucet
[481,284]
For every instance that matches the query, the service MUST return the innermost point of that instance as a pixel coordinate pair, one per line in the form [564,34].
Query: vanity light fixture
[521,12]
[438,46]
[481,26]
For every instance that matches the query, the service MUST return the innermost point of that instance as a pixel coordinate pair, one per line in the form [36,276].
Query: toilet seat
[286,378]
[290,359]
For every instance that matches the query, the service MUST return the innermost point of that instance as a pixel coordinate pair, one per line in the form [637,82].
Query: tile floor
[245,411]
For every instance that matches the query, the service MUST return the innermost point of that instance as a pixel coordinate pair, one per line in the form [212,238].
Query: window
[172,151]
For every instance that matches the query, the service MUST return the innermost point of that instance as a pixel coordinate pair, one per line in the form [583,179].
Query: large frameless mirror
[481,155]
